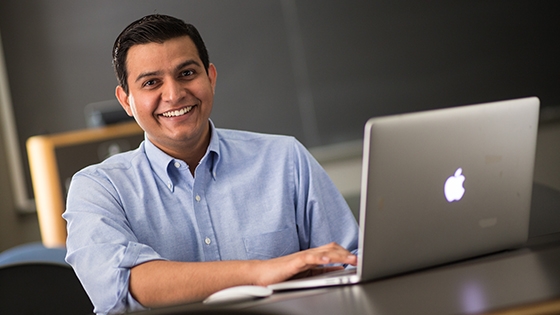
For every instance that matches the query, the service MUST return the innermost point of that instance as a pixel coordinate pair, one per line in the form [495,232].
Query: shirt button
[207,241]
[177,164]
[197,198]
[169,185]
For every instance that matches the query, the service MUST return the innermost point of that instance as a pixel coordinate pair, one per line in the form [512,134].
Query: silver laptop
[440,186]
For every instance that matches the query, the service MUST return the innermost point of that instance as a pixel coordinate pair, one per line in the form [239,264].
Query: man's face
[170,93]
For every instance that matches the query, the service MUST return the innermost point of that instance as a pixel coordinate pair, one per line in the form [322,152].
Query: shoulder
[265,149]
[240,136]
[256,140]
[247,143]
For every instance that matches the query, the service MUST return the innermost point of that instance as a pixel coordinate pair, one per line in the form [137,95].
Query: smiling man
[170,94]
[195,209]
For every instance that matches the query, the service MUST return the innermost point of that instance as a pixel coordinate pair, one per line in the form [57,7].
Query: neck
[194,153]
[190,151]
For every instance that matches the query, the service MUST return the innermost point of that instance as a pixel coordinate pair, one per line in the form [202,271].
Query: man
[195,209]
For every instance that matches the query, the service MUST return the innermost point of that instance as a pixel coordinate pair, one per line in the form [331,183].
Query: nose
[172,91]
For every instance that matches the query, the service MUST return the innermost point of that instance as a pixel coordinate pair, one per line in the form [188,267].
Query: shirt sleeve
[101,247]
[323,215]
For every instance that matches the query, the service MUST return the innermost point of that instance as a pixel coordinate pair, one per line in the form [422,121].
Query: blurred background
[313,69]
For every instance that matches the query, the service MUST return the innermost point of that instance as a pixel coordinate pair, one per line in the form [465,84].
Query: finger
[325,256]
[339,258]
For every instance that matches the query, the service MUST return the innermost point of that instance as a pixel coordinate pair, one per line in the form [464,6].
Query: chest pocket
[271,245]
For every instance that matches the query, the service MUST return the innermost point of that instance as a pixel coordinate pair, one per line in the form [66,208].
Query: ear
[212,76]
[123,99]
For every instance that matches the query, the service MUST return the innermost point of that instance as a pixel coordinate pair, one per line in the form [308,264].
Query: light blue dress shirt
[253,196]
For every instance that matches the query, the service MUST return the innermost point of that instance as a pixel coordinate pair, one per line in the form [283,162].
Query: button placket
[206,229]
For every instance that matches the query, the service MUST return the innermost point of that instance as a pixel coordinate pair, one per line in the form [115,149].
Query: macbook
[440,186]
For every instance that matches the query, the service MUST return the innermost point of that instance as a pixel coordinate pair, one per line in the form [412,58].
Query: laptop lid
[444,185]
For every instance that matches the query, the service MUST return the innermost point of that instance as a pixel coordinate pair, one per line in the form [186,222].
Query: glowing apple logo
[453,188]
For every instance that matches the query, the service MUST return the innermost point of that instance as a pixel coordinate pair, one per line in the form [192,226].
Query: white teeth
[178,112]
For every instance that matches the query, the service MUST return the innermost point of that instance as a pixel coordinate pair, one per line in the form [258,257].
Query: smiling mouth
[177,112]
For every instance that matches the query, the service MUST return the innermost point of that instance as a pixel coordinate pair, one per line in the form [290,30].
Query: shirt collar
[213,151]
[214,145]
[161,161]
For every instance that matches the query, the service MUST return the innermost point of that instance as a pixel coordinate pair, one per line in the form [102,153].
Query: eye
[149,83]
[187,73]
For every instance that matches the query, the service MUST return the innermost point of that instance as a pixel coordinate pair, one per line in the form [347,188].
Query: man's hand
[283,268]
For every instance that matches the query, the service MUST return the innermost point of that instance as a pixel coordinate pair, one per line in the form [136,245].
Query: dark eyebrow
[188,63]
[146,74]
[179,67]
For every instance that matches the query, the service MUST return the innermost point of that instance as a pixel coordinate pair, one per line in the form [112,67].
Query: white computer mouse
[238,294]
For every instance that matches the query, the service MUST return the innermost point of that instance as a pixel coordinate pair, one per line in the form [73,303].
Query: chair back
[53,159]
[35,279]
[41,288]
